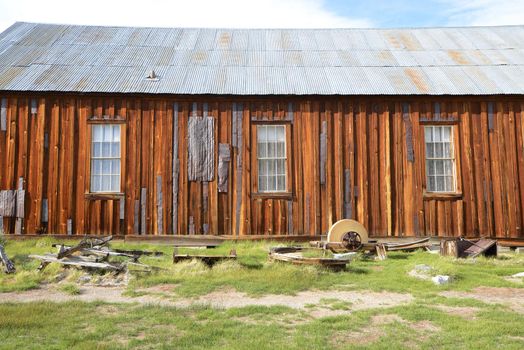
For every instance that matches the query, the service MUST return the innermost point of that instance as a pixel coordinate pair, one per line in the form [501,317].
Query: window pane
[281,133]
[446,133]
[281,153]
[262,180]
[281,183]
[428,133]
[262,150]
[116,167]
[440,167]
[261,134]
[431,184]
[271,152]
[106,150]
[281,167]
[115,149]
[115,183]
[449,184]
[96,149]
[447,150]
[97,133]
[106,167]
[106,186]
[116,133]
[436,134]
[432,167]
[262,169]
[440,183]
[430,150]
[271,167]
[438,150]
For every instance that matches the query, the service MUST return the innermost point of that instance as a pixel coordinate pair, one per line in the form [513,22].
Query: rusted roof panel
[424,61]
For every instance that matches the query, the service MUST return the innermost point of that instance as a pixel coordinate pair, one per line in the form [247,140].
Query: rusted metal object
[465,248]
[209,260]
[295,255]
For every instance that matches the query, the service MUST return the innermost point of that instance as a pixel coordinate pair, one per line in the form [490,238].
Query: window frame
[455,141]
[287,192]
[105,195]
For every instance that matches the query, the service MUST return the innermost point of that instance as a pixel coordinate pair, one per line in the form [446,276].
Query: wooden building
[151,131]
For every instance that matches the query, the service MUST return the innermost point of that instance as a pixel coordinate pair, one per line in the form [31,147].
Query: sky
[265,13]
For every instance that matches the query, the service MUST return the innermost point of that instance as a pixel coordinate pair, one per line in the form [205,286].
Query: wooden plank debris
[464,248]
[78,262]
[209,260]
[9,266]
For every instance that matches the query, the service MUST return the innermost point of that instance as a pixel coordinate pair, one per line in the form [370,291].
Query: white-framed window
[105,158]
[272,158]
[440,159]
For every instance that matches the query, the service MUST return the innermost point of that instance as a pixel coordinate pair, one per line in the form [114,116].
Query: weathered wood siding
[361,158]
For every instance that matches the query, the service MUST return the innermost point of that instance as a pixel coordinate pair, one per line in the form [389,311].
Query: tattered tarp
[201,149]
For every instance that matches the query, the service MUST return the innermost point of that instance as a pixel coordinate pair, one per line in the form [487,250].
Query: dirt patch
[228,298]
[385,319]
[357,300]
[370,334]
[468,313]
[512,297]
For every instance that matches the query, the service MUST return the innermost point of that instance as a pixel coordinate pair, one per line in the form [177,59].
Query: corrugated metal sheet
[424,61]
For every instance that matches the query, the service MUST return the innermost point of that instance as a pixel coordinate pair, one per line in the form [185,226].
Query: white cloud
[179,13]
[485,12]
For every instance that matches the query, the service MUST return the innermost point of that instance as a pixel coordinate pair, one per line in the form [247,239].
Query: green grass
[106,326]
[70,288]
[120,326]
[253,274]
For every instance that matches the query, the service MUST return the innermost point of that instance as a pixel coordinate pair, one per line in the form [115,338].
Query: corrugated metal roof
[422,61]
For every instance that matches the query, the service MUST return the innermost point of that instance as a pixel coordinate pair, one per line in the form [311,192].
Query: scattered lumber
[94,253]
[88,242]
[466,248]
[9,266]
[209,260]
[78,262]
[295,255]
[409,246]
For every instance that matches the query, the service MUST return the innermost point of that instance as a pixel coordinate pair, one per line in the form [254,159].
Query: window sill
[272,195]
[97,196]
[442,196]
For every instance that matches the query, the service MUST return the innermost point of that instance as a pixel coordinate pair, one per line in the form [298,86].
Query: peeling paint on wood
[143,209]
[8,203]
[201,149]
[224,158]
[323,153]
[410,154]
[3,115]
